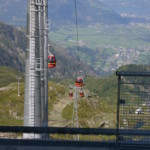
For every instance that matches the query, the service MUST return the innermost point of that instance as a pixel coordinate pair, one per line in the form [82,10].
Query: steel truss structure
[36,82]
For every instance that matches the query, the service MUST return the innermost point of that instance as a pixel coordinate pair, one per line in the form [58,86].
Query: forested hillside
[12,47]
[12,52]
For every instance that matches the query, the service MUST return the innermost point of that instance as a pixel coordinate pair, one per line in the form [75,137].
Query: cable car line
[76,16]
[79,80]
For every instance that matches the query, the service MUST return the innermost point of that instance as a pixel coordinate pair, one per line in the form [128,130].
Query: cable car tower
[36,68]
[75,113]
[78,84]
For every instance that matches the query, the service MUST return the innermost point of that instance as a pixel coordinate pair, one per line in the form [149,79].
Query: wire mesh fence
[133,106]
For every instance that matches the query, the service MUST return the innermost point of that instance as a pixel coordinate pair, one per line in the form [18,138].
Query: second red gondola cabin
[81,94]
[70,94]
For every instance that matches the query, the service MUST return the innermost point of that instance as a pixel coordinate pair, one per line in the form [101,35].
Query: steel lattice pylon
[36,82]
[75,122]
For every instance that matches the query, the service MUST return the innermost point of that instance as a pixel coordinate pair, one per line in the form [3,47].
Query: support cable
[77,33]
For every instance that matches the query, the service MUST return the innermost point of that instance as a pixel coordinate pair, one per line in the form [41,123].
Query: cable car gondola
[51,61]
[79,82]
[70,94]
[81,94]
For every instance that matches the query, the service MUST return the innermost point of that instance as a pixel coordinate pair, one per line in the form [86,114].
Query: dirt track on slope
[55,117]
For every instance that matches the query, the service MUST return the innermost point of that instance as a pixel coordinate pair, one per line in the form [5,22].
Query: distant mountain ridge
[137,11]
[62,12]
[139,7]
[88,12]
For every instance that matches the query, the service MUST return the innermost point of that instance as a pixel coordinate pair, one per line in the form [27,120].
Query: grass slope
[99,107]
[105,104]
[12,106]
[8,75]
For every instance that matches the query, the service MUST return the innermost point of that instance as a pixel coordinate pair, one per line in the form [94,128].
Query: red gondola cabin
[51,61]
[70,94]
[81,94]
[79,82]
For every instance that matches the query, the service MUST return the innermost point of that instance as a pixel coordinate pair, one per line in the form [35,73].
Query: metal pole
[37,96]
[45,17]
[19,86]
[26,90]
[41,48]
[118,102]
[75,113]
